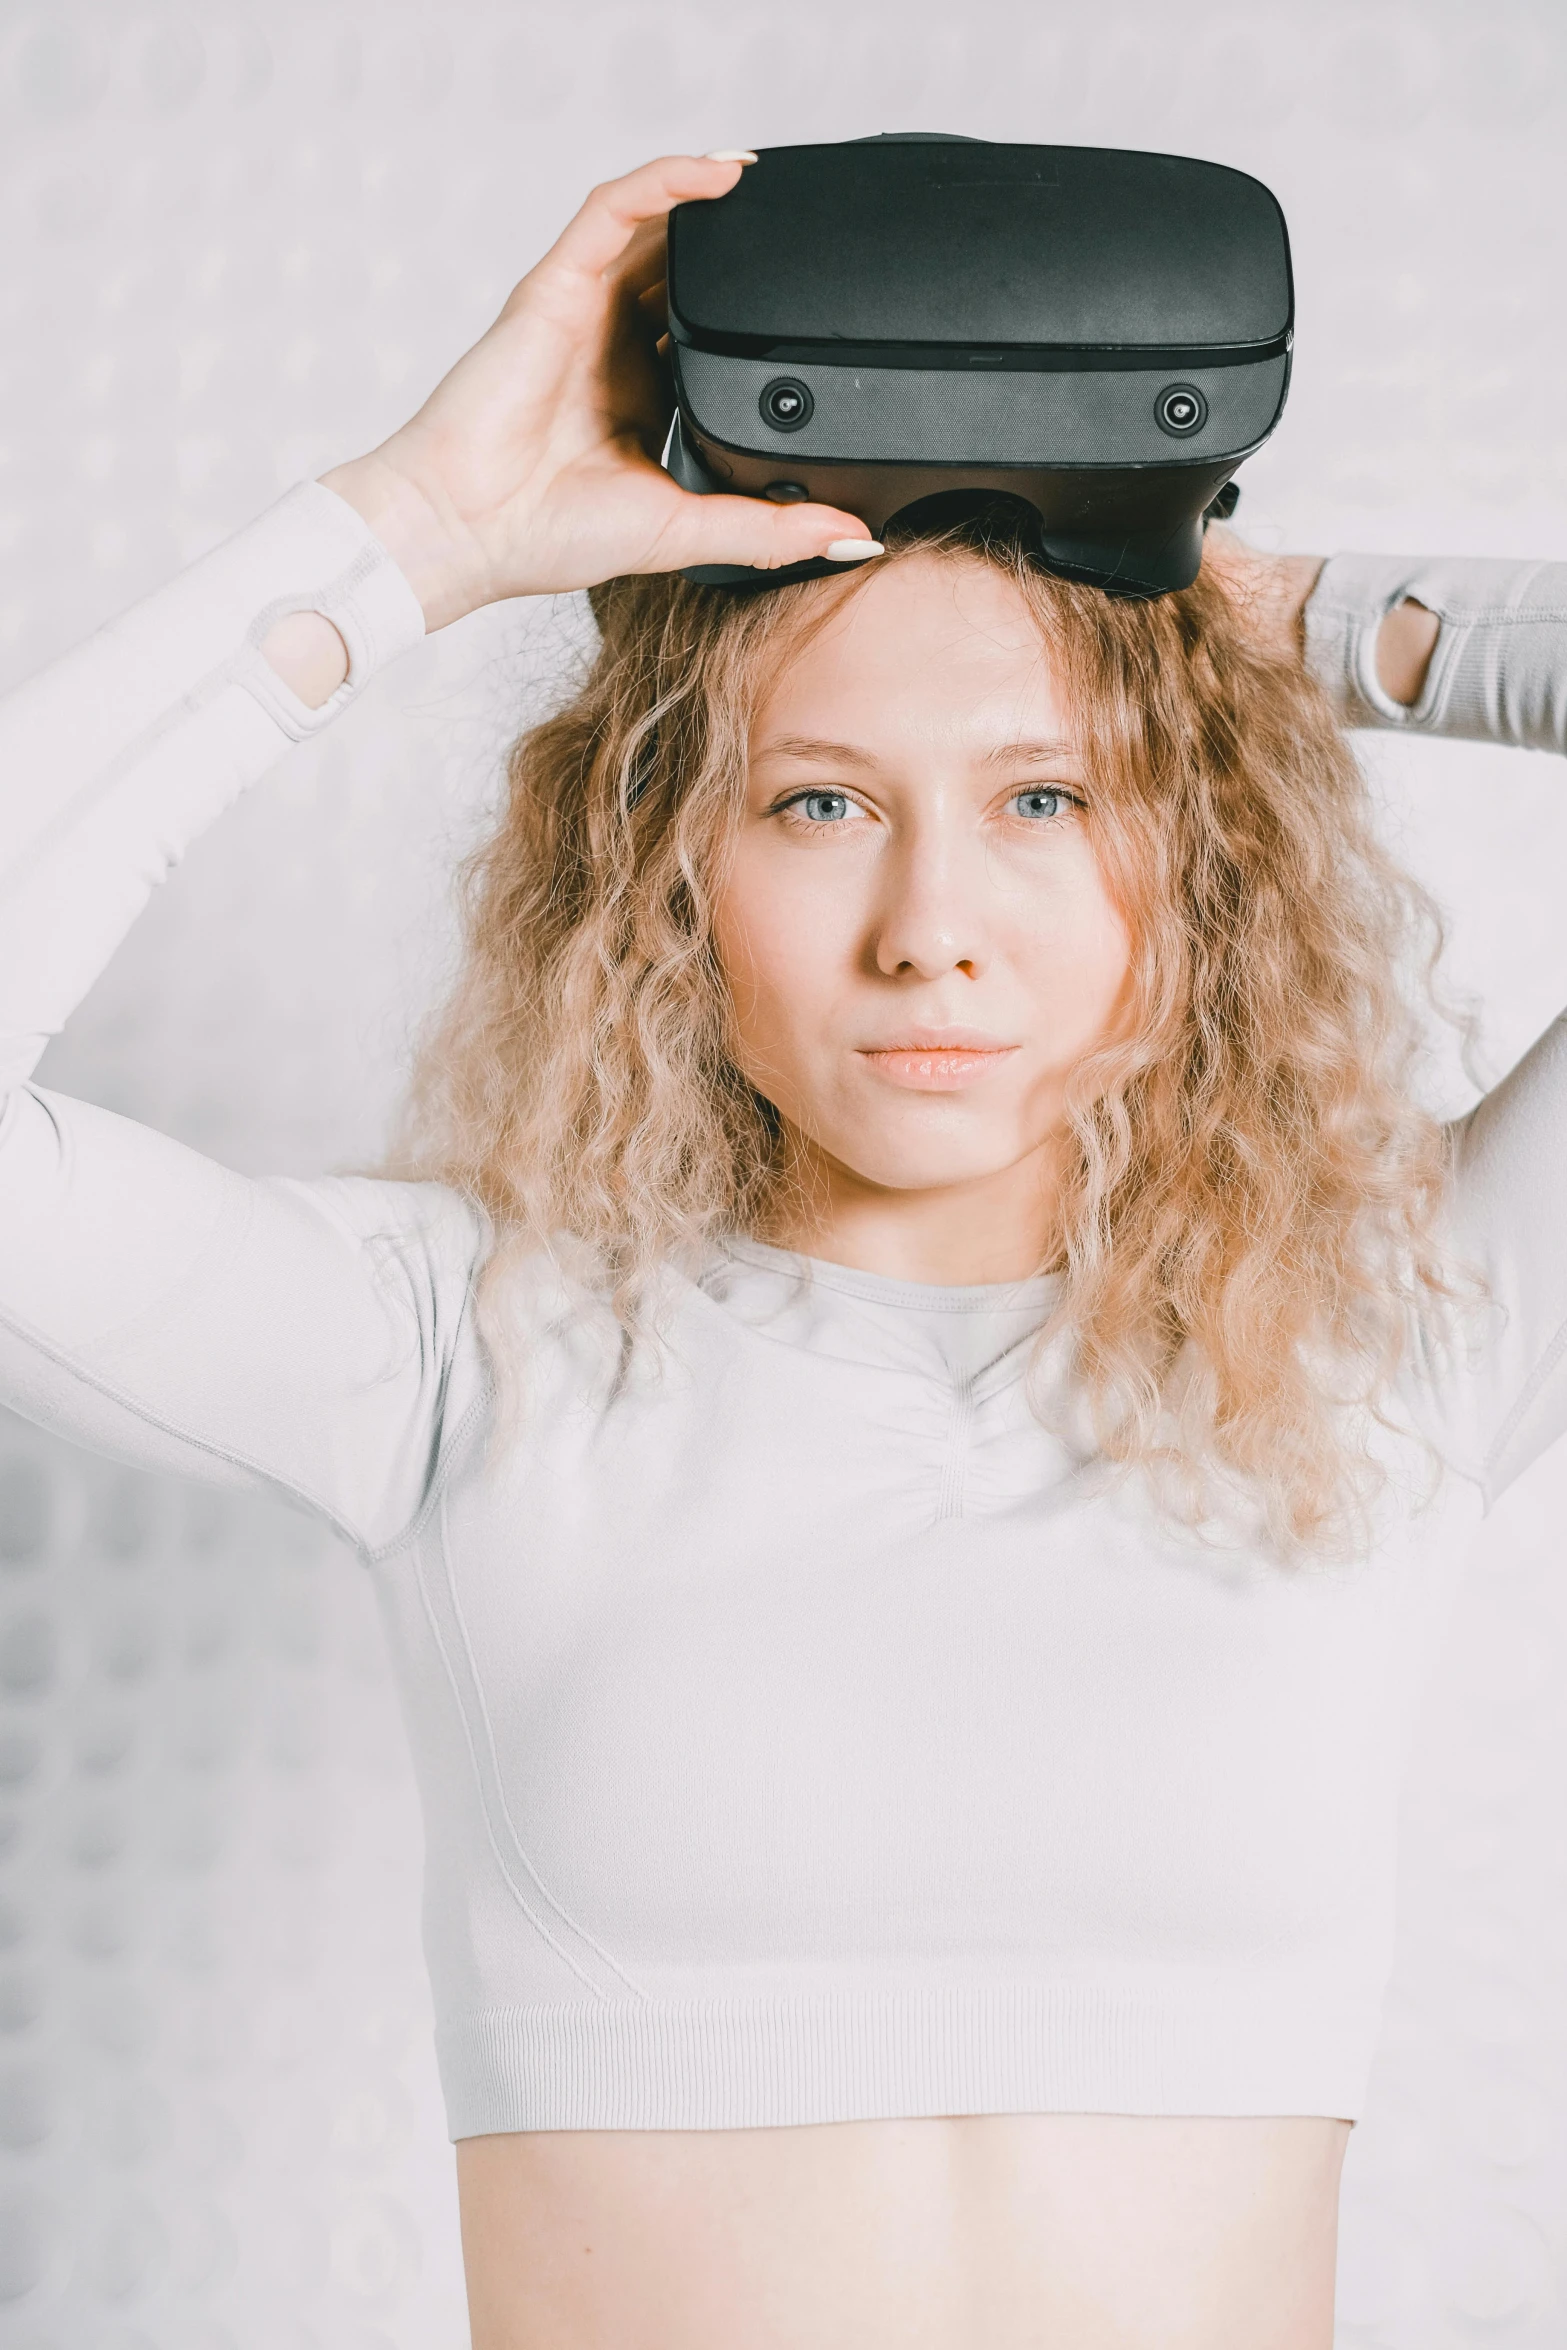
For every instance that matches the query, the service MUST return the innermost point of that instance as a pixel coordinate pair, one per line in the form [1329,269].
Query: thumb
[755,532]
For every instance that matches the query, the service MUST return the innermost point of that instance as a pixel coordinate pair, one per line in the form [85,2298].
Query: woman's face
[915,929]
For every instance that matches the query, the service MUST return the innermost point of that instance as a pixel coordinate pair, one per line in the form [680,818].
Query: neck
[999,1226]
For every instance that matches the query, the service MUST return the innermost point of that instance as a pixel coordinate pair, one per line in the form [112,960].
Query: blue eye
[824,807]
[1043,803]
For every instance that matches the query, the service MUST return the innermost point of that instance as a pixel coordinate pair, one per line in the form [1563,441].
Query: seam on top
[507,1880]
[181,1434]
[449,1453]
[1527,1397]
[559,1909]
[952,1498]
[1001,1372]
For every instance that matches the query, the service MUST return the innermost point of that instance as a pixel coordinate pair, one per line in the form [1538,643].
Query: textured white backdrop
[239,244]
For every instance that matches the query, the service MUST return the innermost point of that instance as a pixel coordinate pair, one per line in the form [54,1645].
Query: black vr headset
[1101,334]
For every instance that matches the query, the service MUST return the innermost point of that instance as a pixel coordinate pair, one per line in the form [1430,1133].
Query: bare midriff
[971,2232]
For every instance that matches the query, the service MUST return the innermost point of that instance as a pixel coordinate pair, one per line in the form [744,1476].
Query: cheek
[1073,948]
[780,941]
[1106,958]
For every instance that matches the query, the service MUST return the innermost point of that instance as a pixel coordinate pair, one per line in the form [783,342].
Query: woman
[916,1402]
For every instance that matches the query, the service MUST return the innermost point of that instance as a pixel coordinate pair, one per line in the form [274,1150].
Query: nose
[931,918]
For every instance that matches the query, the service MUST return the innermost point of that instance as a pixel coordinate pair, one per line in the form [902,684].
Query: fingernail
[729,155]
[854,550]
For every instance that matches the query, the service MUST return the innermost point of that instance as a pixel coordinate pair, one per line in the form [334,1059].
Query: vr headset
[1102,334]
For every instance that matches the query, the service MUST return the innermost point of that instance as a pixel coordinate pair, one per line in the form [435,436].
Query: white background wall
[238,244]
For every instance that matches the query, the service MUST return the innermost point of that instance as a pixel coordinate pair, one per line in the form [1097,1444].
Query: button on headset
[785,403]
[786,493]
[1180,409]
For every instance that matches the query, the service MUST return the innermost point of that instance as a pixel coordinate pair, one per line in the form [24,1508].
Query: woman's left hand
[534,464]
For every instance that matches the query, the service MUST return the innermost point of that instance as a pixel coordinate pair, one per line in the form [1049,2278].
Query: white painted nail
[854,550]
[729,155]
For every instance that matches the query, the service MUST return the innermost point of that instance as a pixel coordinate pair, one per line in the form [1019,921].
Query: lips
[943,1040]
[932,1060]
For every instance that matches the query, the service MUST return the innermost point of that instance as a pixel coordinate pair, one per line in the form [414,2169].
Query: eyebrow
[804,746]
[1007,754]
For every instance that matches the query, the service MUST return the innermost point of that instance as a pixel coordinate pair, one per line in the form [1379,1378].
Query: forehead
[930,646]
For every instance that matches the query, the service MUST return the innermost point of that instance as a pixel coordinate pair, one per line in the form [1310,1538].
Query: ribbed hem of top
[731,2064]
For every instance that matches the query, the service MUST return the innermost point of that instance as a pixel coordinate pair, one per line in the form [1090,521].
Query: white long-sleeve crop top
[804,1734]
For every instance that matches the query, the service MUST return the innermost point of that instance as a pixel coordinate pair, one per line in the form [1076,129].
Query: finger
[607,222]
[646,398]
[644,260]
[653,303]
[756,533]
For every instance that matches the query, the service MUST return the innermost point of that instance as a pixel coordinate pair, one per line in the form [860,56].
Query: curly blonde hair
[1251,1193]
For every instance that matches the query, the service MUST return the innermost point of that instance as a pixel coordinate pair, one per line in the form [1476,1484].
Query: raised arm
[113,759]
[316,1335]
[153,1303]
[1478,649]
[1464,646]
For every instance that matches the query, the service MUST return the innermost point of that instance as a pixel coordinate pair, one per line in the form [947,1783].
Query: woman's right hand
[533,466]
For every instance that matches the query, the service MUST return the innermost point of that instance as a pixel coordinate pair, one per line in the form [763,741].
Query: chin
[923,1161]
